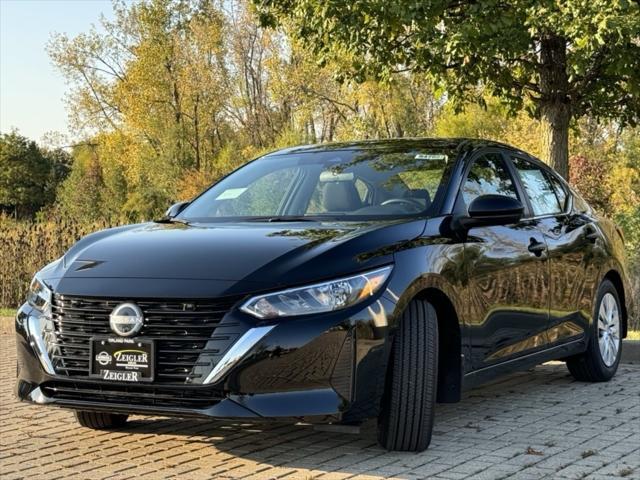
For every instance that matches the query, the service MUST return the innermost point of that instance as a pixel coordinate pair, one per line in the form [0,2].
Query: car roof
[461,144]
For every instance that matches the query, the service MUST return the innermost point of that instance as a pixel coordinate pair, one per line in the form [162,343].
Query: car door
[506,271]
[571,237]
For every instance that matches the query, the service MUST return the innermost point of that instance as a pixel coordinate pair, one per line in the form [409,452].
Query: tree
[80,196]
[558,60]
[59,168]
[172,94]
[28,177]
[156,71]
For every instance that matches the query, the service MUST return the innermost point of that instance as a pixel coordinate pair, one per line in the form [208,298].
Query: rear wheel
[600,362]
[406,420]
[100,420]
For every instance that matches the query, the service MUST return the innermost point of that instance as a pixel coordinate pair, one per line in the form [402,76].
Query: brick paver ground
[536,424]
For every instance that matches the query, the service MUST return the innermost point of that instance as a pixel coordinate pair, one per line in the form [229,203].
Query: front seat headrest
[340,197]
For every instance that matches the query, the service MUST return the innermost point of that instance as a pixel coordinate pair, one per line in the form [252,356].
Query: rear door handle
[537,247]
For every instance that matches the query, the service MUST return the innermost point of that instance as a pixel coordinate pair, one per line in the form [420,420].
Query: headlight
[318,298]
[39,296]
[40,327]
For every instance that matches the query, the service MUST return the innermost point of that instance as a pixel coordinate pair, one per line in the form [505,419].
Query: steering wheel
[406,201]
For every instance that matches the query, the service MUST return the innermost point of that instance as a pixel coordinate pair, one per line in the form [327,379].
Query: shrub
[25,247]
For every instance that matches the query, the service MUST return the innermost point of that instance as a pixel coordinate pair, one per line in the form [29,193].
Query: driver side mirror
[175,209]
[490,210]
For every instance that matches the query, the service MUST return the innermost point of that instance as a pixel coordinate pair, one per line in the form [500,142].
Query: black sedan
[331,284]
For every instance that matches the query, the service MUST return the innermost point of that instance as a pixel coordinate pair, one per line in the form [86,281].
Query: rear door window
[541,193]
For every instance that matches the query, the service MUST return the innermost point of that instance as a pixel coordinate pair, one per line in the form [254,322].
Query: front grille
[187,341]
[145,395]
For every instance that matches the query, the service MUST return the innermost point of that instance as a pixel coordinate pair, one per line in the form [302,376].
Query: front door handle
[537,247]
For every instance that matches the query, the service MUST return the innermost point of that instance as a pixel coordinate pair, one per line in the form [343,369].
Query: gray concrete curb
[630,348]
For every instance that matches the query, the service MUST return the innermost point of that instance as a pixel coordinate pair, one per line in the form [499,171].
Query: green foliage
[462,44]
[491,121]
[29,175]
[80,196]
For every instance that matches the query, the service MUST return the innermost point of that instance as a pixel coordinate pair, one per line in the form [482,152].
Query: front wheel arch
[450,366]
[405,422]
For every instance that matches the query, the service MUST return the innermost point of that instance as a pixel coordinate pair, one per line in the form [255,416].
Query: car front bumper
[324,368]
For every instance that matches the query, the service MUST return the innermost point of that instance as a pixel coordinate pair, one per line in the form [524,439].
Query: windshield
[338,184]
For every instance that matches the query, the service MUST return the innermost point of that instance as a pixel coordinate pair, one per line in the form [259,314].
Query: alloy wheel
[609,329]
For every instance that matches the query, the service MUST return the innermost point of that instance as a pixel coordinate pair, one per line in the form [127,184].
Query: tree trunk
[555,107]
[196,131]
[555,138]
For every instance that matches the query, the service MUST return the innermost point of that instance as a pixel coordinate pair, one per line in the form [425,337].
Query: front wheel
[100,420]
[406,420]
[600,362]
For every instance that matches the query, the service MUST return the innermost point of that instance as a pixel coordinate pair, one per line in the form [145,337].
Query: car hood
[223,258]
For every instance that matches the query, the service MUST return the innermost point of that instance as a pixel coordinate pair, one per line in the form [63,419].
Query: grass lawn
[7,312]
[633,335]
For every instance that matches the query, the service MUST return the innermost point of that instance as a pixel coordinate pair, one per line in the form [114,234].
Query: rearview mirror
[175,209]
[489,210]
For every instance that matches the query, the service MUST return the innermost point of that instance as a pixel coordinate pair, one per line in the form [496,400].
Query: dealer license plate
[122,359]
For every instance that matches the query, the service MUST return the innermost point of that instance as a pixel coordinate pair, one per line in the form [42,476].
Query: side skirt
[483,375]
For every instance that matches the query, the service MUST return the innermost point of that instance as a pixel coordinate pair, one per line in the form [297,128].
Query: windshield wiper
[291,219]
[282,219]
[171,220]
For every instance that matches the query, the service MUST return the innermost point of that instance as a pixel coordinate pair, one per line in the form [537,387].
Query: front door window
[488,176]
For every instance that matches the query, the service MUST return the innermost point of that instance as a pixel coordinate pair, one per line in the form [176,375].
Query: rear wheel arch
[596,364]
[614,277]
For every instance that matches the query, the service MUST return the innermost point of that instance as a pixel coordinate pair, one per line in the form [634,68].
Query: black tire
[406,420]
[589,366]
[100,420]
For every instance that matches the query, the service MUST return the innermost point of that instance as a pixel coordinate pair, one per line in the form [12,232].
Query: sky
[31,89]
